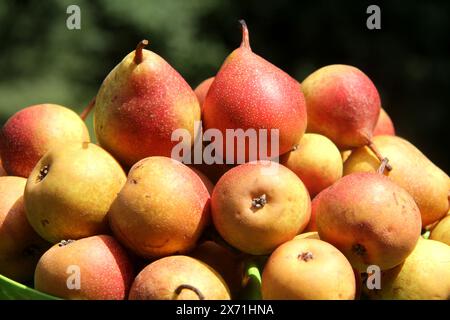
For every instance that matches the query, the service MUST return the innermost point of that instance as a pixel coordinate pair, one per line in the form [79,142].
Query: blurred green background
[408,59]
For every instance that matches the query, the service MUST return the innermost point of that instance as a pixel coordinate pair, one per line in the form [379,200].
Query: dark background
[408,59]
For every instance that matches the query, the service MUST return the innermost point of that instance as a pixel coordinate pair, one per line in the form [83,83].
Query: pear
[93,268]
[227,263]
[412,170]
[370,219]
[162,209]
[308,269]
[343,104]
[35,130]
[202,89]
[179,278]
[70,191]
[249,92]
[441,232]
[424,275]
[139,105]
[256,210]
[384,125]
[308,235]
[345,154]
[20,246]
[316,161]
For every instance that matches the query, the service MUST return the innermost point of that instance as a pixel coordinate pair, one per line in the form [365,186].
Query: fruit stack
[341,208]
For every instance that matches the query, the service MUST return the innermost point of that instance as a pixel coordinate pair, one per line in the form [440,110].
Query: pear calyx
[259,202]
[138,53]
[245,37]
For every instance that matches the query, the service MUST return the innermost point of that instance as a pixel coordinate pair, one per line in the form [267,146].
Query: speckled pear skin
[30,133]
[370,219]
[250,92]
[412,170]
[384,125]
[139,106]
[343,104]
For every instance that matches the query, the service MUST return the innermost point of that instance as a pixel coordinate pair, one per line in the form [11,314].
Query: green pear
[412,170]
[70,191]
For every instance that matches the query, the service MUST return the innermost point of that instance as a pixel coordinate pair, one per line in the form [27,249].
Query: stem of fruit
[138,56]
[245,37]
[384,161]
[189,287]
[88,109]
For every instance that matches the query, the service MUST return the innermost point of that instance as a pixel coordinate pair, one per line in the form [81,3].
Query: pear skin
[162,209]
[30,133]
[103,267]
[441,232]
[139,105]
[256,211]
[20,246]
[249,92]
[370,219]
[424,275]
[316,161]
[2,171]
[308,269]
[70,191]
[412,170]
[179,278]
[384,125]
[342,104]
[202,89]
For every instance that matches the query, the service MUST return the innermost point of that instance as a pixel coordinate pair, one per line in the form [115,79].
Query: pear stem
[384,161]
[189,287]
[138,56]
[245,37]
[88,109]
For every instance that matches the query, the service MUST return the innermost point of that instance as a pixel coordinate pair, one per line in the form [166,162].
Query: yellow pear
[316,161]
[424,275]
[70,191]
[441,232]
[411,169]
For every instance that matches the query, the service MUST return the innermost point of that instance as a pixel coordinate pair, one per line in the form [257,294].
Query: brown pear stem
[138,56]
[189,287]
[88,109]
[384,161]
[245,37]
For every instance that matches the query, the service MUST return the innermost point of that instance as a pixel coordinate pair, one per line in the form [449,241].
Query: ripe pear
[33,131]
[384,125]
[179,278]
[249,92]
[93,268]
[202,89]
[441,232]
[20,246]
[412,170]
[227,263]
[70,191]
[208,184]
[425,275]
[140,103]
[256,210]
[345,154]
[370,219]
[343,104]
[308,269]
[162,209]
[308,235]
[316,161]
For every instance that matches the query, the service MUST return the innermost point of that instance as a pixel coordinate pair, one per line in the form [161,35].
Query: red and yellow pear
[140,104]
[249,92]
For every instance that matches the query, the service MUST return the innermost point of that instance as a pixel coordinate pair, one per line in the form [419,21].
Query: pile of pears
[120,219]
